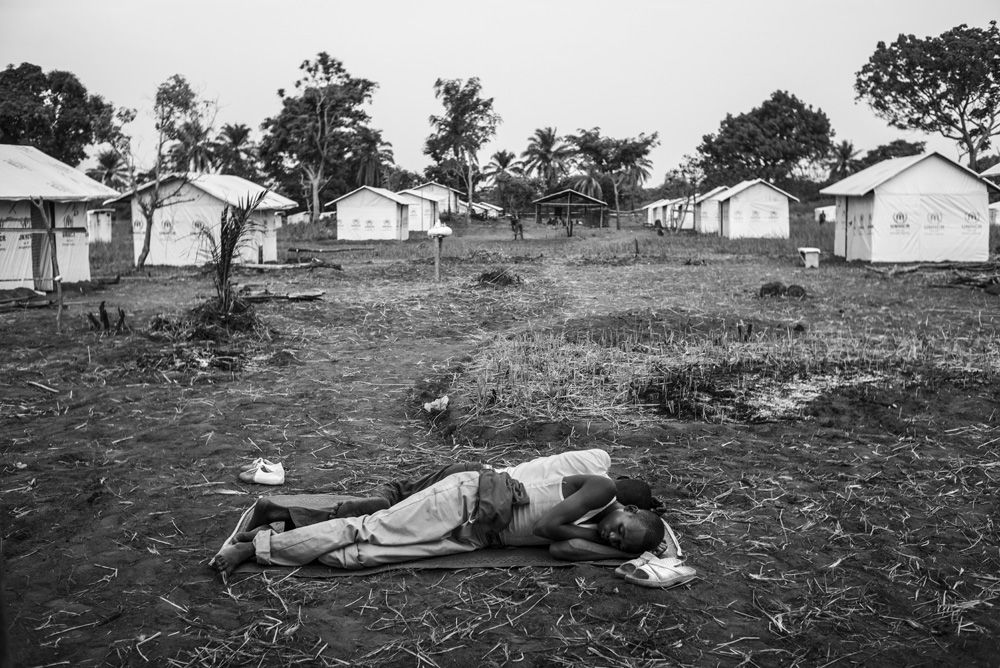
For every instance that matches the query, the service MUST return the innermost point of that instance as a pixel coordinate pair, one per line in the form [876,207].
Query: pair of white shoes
[263,472]
[649,570]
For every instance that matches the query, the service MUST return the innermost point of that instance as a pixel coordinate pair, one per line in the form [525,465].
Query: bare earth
[858,529]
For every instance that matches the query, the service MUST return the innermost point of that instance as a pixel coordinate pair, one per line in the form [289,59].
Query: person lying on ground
[576,516]
[628,491]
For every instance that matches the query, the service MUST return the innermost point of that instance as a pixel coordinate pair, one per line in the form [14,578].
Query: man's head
[631,530]
[635,492]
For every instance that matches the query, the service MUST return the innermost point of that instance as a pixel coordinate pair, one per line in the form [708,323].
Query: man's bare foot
[232,556]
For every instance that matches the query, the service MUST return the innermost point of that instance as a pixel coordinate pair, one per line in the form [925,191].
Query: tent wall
[177,239]
[756,212]
[858,237]
[26,257]
[423,213]
[840,227]
[366,215]
[707,216]
[99,226]
[447,196]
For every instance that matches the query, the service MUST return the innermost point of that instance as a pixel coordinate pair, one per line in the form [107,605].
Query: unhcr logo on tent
[355,223]
[934,217]
[972,216]
[899,217]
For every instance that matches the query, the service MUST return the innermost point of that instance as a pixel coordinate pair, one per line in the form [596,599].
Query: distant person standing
[822,217]
[517,228]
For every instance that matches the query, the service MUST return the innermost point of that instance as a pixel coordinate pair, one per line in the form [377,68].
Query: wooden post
[50,225]
[437,259]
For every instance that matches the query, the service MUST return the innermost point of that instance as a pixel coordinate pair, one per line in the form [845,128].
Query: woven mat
[509,557]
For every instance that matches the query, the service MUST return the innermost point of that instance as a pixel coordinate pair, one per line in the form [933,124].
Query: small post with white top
[810,257]
[438,232]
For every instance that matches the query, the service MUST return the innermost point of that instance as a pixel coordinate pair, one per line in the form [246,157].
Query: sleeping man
[577,515]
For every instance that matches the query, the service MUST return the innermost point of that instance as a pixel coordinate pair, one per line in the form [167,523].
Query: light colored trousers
[436,521]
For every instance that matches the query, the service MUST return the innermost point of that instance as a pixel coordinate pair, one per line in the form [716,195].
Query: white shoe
[661,573]
[265,474]
[256,464]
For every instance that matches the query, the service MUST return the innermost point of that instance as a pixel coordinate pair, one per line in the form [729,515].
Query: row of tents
[924,208]
[921,208]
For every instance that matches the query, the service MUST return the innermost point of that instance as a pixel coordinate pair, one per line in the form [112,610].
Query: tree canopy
[467,123]
[947,85]
[770,142]
[625,162]
[313,137]
[51,111]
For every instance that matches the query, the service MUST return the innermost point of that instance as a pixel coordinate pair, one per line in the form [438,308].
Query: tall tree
[468,122]
[235,152]
[194,150]
[111,170]
[948,85]
[52,112]
[548,157]
[518,192]
[370,157]
[502,164]
[174,105]
[898,148]
[311,139]
[769,142]
[621,160]
[843,160]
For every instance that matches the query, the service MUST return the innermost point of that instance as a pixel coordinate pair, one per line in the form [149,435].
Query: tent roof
[869,179]
[26,172]
[490,206]
[230,189]
[421,195]
[435,183]
[568,195]
[658,202]
[740,187]
[388,194]
[710,194]
[992,171]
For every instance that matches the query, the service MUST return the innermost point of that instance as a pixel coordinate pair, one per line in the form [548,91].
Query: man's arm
[591,493]
[578,549]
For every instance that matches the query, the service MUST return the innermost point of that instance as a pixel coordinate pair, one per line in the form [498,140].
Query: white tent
[755,209]
[921,208]
[708,211]
[99,225]
[193,206]
[679,213]
[492,211]
[655,212]
[825,214]
[992,171]
[372,213]
[26,175]
[447,196]
[423,210]
[995,213]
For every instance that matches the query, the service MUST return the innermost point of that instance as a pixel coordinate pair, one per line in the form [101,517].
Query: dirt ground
[860,531]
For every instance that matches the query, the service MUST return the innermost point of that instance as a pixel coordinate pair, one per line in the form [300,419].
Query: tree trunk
[618,211]
[468,183]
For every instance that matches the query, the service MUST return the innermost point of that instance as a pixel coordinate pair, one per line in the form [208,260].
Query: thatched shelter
[569,208]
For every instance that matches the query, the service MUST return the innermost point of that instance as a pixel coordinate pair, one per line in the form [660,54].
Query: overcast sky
[625,66]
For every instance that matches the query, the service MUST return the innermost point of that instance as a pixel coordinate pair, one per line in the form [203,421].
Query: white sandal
[661,573]
[629,566]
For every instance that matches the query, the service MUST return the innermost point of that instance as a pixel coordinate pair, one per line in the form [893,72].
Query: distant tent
[755,209]
[920,208]
[708,211]
[655,212]
[372,213]
[447,196]
[995,213]
[825,214]
[992,171]
[423,210]
[679,213]
[26,175]
[193,207]
[99,225]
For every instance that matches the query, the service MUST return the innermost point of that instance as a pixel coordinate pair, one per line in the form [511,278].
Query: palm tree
[502,162]
[370,157]
[111,170]
[234,151]
[193,151]
[547,156]
[588,182]
[843,160]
